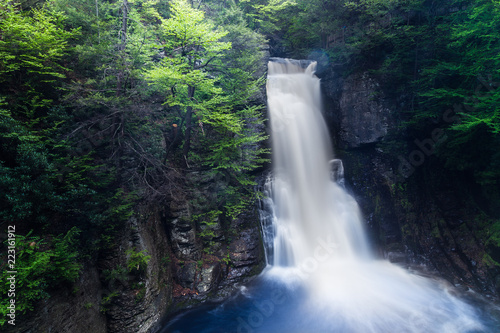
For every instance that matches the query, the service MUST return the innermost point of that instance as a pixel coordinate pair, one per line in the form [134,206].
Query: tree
[463,77]
[203,77]
[32,46]
[113,114]
[191,44]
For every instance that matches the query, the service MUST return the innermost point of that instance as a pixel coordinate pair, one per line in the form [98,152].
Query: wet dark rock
[245,250]
[141,299]
[187,274]
[129,303]
[210,277]
[211,254]
[237,273]
[357,107]
[246,253]
[183,238]
[364,119]
[396,257]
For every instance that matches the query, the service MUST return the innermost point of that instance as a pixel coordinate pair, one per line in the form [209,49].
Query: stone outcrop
[357,109]
[187,263]
[135,298]
[435,225]
[108,297]
[246,250]
[183,238]
[232,254]
[364,117]
[69,309]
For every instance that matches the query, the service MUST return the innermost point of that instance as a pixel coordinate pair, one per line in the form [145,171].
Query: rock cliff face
[110,295]
[417,218]
[135,297]
[358,109]
[70,309]
[209,259]
[160,263]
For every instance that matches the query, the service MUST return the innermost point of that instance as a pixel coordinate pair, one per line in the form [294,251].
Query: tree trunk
[118,119]
[121,48]
[415,66]
[189,113]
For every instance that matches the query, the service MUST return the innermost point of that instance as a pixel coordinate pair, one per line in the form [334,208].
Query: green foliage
[32,45]
[192,34]
[137,261]
[166,260]
[207,221]
[192,43]
[41,264]
[84,135]
[246,53]
[236,200]
[264,15]
[464,77]
[116,274]
[109,221]
[107,300]
[43,178]
[35,181]
[227,259]
[32,42]
[140,294]
[209,78]
[226,151]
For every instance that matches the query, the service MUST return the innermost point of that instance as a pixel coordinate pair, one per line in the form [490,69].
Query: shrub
[40,264]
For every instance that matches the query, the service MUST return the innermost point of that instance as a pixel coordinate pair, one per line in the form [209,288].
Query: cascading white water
[317,235]
[302,189]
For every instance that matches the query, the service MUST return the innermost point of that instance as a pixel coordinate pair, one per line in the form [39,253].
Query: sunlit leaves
[190,32]
[32,46]
[32,41]
[201,73]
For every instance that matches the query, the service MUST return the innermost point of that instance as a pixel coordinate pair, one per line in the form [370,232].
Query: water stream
[321,274]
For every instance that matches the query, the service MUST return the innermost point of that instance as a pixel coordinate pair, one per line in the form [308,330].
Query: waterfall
[314,229]
[321,275]
[310,209]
